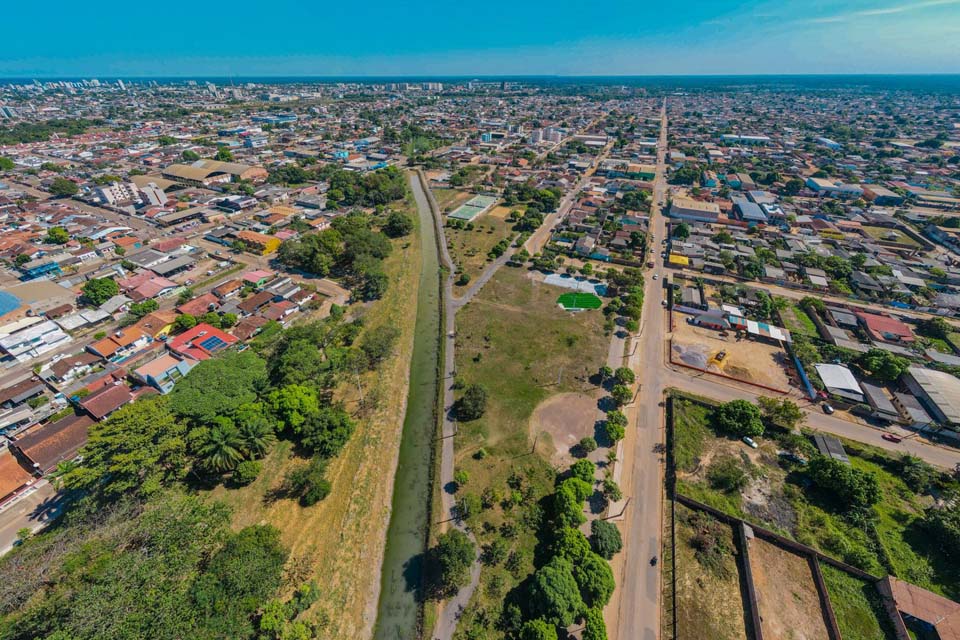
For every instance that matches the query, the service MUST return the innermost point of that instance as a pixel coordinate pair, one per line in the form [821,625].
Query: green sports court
[473,207]
[575,301]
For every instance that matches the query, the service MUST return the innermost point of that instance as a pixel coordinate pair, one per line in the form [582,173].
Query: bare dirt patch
[748,360]
[786,594]
[566,418]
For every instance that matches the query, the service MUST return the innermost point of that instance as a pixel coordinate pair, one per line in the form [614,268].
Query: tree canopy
[739,418]
[98,290]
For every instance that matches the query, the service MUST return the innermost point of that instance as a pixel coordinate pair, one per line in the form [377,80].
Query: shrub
[605,538]
[246,472]
[727,474]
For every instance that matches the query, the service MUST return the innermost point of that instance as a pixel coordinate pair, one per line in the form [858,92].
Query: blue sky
[490,37]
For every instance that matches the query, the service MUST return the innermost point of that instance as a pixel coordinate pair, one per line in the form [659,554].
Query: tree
[398,225]
[246,472]
[327,431]
[882,365]
[615,425]
[554,594]
[567,503]
[726,474]
[183,322]
[308,482]
[809,303]
[57,235]
[137,450]
[472,404]
[227,320]
[681,231]
[850,488]
[538,630]
[625,375]
[594,626]
[223,155]
[916,473]
[605,538]
[218,387]
[450,561]
[569,543]
[944,524]
[793,186]
[783,413]
[190,156]
[587,444]
[595,579]
[6,164]
[378,343]
[99,290]
[63,188]
[621,394]
[584,470]
[138,310]
[738,418]
[935,328]
[221,449]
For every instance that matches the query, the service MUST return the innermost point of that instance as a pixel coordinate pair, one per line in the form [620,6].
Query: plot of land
[856,606]
[709,600]
[470,248]
[786,594]
[748,360]
[450,199]
[796,320]
[890,235]
[566,418]
[778,495]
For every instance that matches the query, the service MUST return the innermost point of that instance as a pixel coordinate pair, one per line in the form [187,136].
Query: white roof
[942,388]
[837,376]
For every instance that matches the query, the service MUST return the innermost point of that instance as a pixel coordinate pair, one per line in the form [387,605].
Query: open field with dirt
[709,591]
[450,199]
[339,542]
[470,248]
[749,360]
[778,494]
[786,594]
[514,341]
[565,419]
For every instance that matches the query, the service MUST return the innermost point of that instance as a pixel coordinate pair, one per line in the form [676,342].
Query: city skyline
[562,38]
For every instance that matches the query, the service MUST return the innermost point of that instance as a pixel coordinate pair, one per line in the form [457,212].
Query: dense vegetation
[137,553]
[24,132]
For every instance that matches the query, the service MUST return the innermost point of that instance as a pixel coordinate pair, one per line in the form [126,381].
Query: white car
[750,442]
[655,276]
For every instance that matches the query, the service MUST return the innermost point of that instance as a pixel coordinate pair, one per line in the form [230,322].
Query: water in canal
[398,612]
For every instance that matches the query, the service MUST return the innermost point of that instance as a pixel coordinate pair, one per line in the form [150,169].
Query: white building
[34,341]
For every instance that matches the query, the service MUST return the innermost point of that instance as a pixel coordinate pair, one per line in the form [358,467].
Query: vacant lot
[786,594]
[890,235]
[565,419]
[513,340]
[470,248]
[748,360]
[709,600]
[450,199]
[339,542]
[856,606]
[796,321]
[777,495]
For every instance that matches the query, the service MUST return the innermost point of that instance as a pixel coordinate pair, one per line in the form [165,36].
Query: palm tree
[222,450]
[257,437]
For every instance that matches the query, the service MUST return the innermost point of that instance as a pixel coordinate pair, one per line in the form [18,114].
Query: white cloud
[881,11]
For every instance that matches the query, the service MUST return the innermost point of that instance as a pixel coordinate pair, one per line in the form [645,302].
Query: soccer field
[578,300]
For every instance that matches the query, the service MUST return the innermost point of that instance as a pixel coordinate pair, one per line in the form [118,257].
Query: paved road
[634,612]
[33,511]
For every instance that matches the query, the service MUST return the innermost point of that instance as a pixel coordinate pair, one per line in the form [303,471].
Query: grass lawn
[779,497]
[939,344]
[576,300]
[883,233]
[450,199]
[796,320]
[514,341]
[469,249]
[339,542]
[856,606]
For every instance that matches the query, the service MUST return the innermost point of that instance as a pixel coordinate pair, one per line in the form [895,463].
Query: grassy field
[450,199]
[796,320]
[469,249]
[339,542]
[882,233]
[856,606]
[779,497]
[709,601]
[514,341]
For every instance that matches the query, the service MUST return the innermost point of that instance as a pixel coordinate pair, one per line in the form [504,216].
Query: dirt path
[786,594]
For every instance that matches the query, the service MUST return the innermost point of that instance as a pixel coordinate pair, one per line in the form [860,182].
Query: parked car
[827,409]
[655,276]
[750,442]
[663,303]
[891,437]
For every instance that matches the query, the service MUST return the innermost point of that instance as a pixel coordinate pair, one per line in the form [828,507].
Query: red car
[891,437]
